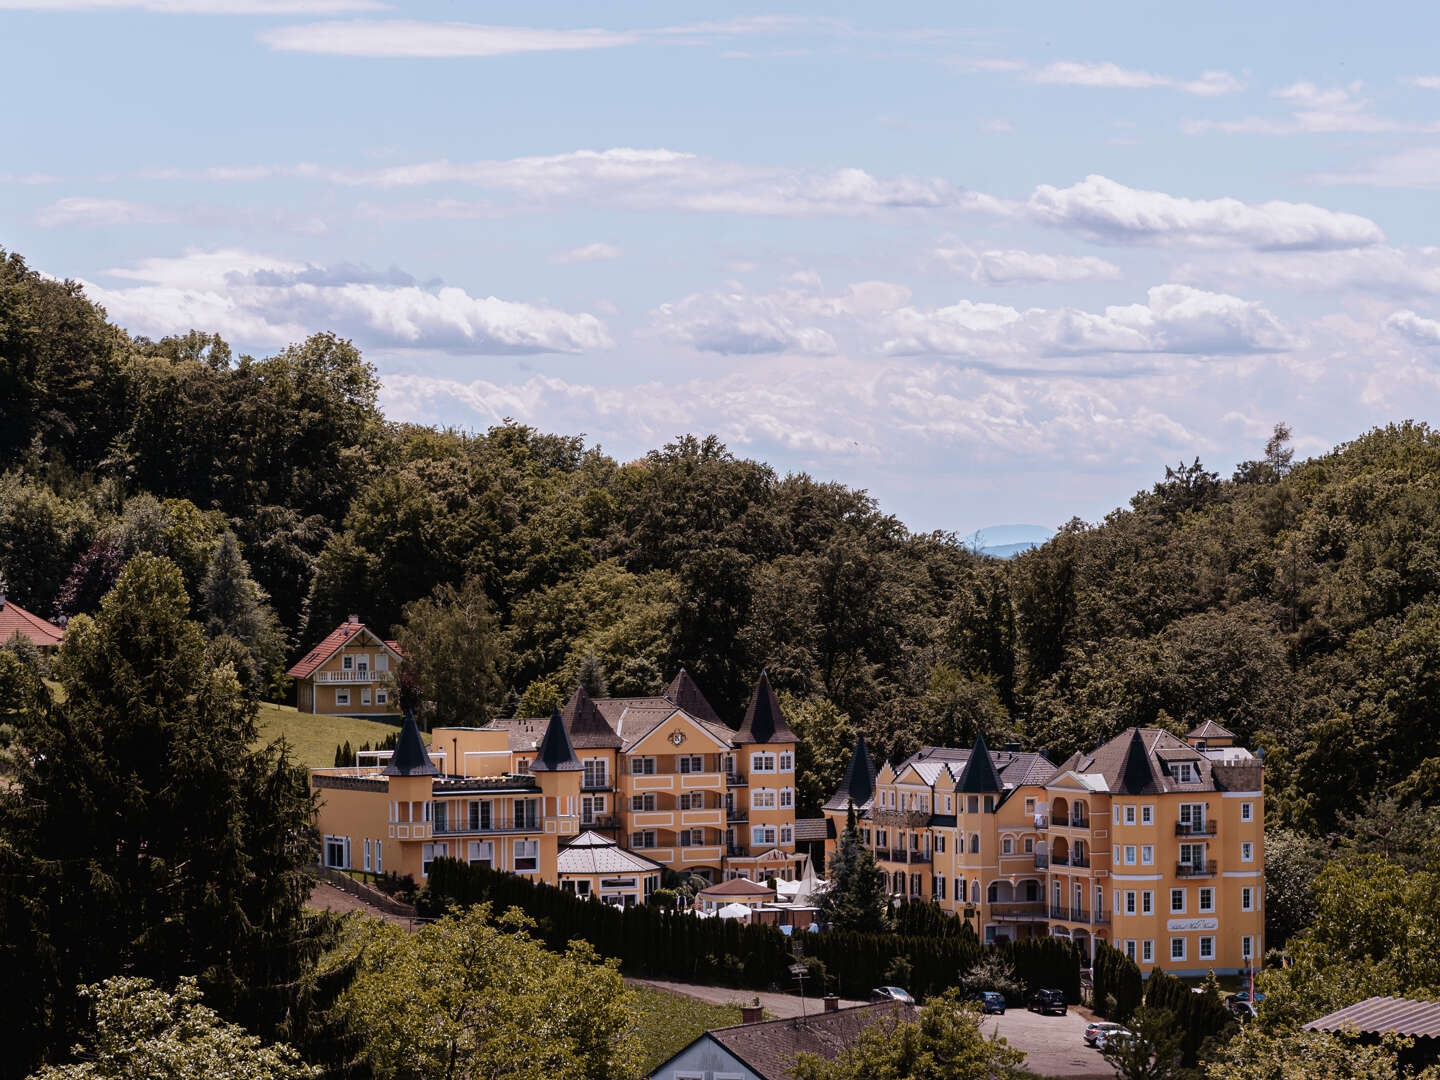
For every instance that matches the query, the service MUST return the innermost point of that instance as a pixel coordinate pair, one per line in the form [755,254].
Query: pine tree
[593,678]
[141,833]
[857,898]
[234,605]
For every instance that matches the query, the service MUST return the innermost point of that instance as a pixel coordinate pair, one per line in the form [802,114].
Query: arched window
[975,890]
[991,893]
[975,843]
[1007,845]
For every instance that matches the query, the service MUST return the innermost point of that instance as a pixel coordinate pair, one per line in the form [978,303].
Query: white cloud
[1378,270]
[738,323]
[1414,328]
[1176,319]
[1314,110]
[82,210]
[410,38]
[1417,167]
[643,179]
[587,253]
[1424,82]
[1012,267]
[1112,212]
[200,7]
[252,298]
[1108,75]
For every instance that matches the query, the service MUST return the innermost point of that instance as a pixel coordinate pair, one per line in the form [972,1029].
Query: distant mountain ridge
[1007,541]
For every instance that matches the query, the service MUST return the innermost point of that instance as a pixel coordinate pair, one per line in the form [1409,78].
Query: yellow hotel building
[1152,843]
[626,787]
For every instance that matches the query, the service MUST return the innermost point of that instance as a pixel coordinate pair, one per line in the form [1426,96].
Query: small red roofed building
[351,673]
[14,619]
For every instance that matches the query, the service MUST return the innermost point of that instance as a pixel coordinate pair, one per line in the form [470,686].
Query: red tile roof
[327,648]
[16,620]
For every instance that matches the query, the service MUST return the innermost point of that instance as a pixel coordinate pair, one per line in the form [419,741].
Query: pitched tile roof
[588,728]
[738,887]
[1135,762]
[764,723]
[555,753]
[591,853]
[684,692]
[331,644]
[858,785]
[1211,730]
[16,620]
[410,758]
[812,828]
[1384,1016]
[770,1048]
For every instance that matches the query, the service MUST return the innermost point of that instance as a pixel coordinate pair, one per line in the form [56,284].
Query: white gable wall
[704,1059]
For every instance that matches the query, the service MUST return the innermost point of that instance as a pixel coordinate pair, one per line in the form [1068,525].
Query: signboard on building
[1181,925]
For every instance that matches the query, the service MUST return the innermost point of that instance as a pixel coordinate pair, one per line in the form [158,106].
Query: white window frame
[763,835]
[1247,811]
[1007,845]
[382,661]
[379,856]
[1147,854]
[1130,908]
[1184,900]
[347,662]
[1147,951]
[1130,949]
[342,697]
[762,798]
[525,849]
[1207,948]
[1247,851]
[787,834]
[1129,815]
[1129,854]
[1206,903]
[1147,902]
[642,766]
[787,798]
[787,761]
[367,854]
[364,695]
[382,697]
[762,763]
[344,844]
[1247,898]
[1247,947]
[1147,814]
[1184,949]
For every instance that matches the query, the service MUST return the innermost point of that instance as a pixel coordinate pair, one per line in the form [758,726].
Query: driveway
[778,1006]
[1053,1045]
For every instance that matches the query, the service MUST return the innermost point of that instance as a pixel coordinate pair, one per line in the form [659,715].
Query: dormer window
[1183,772]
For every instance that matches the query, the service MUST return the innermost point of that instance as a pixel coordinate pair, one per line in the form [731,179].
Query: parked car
[1048,1001]
[1096,1032]
[1241,1010]
[891,993]
[991,1001]
[1244,995]
[1116,1036]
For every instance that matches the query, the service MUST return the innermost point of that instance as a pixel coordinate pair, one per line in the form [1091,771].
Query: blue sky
[992,262]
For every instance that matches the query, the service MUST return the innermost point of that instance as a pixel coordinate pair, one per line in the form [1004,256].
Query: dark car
[991,1001]
[1244,996]
[891,993]
[1048,1001]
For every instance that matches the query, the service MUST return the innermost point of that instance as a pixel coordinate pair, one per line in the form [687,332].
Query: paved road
[778,1006]
[1053,1045]
[327,897]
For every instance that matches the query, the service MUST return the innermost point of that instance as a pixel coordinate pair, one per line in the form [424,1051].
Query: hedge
[1116,976]
[676,944]
[1199,1016]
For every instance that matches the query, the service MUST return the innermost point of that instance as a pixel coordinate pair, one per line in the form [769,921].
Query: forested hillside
[1299,605]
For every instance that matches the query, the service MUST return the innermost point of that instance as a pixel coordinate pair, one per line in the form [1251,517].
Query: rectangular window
[762,799]
[690,763]
[1247,895]
[527,855]
[1129,854]
[527,813]
[1147,951]
[762,834]
[940,842]
[365,696]
[342,697]
[1207,948]
[1116,811]
[1247,811]
[1029,806]
[947,804]
[989,804]
[1147,902]
[642,766]
[382,662]
[1130,950]
[347,662]
[1177,900]
[972,804]
[522,765]
[379,857]
[787,761]
[1246,947]
[1129,902]
[787,834]
[643,802]
[1147,854]
[441,817]
[1207,899]
[429,853]
[1147,814]
[762,762]
[382,697]
[367,853]
[481,853]
[1129,815]
[1247,851]
[1007,845]
[787,798]
[595,772]
[1183,772]
[1177,948]
[1029,844]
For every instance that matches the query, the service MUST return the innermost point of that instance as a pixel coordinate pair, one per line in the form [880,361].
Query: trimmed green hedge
[1116,976]
[677,945]
[1199,1016]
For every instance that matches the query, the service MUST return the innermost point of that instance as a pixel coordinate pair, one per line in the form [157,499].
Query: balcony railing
[882,853]
[598,783]
[1018,910]
[600,821]
[352,676]
[1042,821]
[443,828]
[1195,869]
[1079,823]
[735,780]
[1042,860]
[1203,828]
[1070,914]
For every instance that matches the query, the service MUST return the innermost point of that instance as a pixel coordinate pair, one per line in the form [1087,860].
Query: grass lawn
[313,738]
[666,1023]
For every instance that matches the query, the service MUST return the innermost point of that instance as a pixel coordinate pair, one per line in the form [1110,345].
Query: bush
[663,898]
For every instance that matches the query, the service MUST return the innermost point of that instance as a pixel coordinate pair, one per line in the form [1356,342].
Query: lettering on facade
[1181,925]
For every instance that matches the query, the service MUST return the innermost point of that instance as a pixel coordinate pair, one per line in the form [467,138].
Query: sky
[992,262]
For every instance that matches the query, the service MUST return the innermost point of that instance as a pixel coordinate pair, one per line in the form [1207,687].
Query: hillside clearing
[313,738]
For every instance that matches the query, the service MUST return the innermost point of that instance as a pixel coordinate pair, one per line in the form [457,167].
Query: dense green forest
[1296,602]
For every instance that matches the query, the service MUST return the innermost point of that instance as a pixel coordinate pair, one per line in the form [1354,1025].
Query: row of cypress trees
[1119,987]
[675,944]
[1198,1016]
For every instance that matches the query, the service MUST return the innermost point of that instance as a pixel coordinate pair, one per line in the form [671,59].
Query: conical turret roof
[684,691]
[1137,777]
[588,728]
[858,785]
[764,723]
[410,758]
[555,752]
[979,776]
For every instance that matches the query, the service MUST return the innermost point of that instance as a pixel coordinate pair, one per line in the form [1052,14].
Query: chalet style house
[14,619]
[350,673]
[637,785]
[1152,843]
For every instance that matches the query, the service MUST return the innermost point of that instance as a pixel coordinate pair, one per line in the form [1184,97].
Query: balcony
[882,853]
[351,677]
[1042,860]
[1195,869]
[735,780]
[1203,828]
[1018,911]
[600,821]
[444,828]
[597,783]
[1042,822]
[740,814]
[1070,914]
[1077,823]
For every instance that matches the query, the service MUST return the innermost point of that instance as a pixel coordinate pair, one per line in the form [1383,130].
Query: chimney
[751,1014]
[354,620]
[832,1003]
[1012,747]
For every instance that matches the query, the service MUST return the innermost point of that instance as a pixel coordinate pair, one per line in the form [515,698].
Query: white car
[1115,1032]
[1096,1031]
